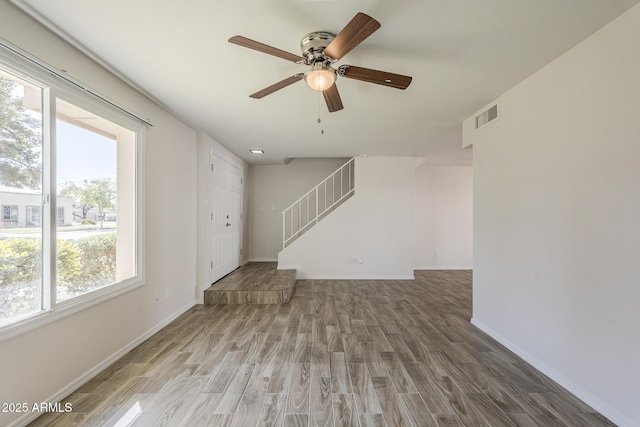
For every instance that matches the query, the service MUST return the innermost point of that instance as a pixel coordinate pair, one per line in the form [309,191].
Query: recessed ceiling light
[256,151]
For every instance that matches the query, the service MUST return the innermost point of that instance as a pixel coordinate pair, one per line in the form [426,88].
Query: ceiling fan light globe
[320,79]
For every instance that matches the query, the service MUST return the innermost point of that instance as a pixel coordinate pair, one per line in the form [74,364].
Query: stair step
[253,283]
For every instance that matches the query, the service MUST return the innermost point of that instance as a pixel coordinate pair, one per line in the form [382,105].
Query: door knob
[228,224]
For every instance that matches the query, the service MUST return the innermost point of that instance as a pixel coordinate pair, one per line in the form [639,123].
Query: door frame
[213,277]
[206,147]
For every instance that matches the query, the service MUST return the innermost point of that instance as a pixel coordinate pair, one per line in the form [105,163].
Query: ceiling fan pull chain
[320,114]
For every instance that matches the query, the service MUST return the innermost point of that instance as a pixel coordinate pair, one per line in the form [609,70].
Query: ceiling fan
[320,50]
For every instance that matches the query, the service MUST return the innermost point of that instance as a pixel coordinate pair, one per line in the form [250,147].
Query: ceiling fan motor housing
[313,45]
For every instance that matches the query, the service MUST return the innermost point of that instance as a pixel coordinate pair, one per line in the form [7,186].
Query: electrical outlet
[167,294]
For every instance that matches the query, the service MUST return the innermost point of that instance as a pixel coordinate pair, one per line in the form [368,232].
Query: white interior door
[226,217]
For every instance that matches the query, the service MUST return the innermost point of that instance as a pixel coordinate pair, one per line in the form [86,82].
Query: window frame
[54,87]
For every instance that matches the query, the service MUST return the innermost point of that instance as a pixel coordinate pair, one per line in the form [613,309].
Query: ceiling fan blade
[277,86]
[358,29]
[332,98]
[264,48]
[384,78]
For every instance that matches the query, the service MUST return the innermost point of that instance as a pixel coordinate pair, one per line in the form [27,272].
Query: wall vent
[487,116]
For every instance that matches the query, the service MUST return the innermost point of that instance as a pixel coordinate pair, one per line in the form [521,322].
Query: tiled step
[253,283]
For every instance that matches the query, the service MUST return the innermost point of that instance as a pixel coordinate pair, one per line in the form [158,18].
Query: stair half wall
[317,203]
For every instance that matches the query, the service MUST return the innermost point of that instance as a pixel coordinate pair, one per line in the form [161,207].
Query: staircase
[317,203]
[263,282]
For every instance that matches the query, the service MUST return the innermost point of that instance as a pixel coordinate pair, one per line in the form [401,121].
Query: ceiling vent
[487,116]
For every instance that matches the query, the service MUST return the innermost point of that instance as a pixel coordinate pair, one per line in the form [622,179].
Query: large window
[70,197]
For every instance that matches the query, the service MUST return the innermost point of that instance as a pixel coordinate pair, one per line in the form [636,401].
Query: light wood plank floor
[340,353]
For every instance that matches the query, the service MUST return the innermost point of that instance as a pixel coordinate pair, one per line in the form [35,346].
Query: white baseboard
[75,384]
[263,260]
[305,276]
[442,267]
[591,400]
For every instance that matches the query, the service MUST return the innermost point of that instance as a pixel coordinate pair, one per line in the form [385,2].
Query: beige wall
[272,189]
[395,198]
[51,361]
[443,214]
[375,224]
[557,220]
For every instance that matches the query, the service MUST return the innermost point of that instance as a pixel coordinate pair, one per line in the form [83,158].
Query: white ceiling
[462,54]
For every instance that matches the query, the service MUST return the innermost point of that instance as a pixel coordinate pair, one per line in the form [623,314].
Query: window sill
[67,308]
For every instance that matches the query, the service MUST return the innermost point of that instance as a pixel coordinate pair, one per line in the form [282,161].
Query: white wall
[375,224]
[557,220]
[272,189]
[443,213]
[49,362]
